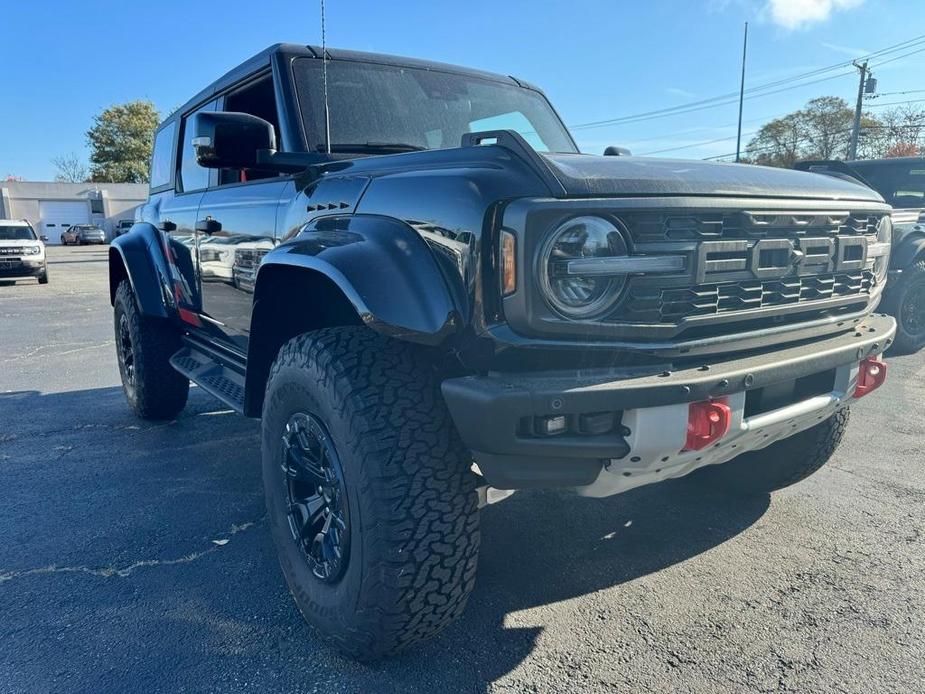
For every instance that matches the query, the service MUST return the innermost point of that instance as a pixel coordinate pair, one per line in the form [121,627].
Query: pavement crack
[124,572]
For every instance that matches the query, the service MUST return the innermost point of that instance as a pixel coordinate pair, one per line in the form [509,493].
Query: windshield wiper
[372,148]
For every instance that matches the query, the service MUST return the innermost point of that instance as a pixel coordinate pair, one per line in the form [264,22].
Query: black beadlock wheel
[781,464]
[907,301]
[369,492]
[319,517]
[153,388]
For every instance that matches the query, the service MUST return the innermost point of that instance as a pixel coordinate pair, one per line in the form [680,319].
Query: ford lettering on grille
[775,258]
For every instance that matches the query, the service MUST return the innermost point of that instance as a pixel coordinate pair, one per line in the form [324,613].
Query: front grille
[653,226]
[652,305]
[11,250]
[246,263]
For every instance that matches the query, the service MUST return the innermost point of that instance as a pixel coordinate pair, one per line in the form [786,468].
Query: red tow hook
[871,375]
[707,421]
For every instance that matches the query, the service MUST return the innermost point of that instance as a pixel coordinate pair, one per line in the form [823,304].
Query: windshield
[387,108]
[17,233]
[901,183]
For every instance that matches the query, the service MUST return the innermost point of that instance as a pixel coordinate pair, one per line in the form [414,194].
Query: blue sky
[597,60]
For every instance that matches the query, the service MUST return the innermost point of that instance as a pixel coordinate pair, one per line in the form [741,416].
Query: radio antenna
[324,83]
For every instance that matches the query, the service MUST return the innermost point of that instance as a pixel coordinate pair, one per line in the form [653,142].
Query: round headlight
[566,290]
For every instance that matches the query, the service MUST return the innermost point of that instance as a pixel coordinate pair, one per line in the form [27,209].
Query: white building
[52,207]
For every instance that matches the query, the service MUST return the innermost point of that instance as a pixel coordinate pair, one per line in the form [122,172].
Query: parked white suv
[22,252]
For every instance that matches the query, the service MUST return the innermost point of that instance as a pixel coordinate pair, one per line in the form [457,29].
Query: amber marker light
[508,264]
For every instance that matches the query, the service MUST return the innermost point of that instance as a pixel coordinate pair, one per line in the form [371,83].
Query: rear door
[178,209]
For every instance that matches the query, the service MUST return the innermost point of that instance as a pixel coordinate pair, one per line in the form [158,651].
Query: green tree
[120,142]
[820,130]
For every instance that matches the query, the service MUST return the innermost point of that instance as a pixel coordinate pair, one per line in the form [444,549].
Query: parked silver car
[88,233]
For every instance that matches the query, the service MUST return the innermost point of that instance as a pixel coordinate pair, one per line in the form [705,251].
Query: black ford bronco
[901,182]
[411,275]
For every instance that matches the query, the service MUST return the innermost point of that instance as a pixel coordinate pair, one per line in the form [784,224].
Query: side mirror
[43,237]
[617,152]
[226,140]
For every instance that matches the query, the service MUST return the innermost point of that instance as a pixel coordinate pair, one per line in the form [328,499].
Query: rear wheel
[154,389]
[783,463]
[908,303]
[369,491]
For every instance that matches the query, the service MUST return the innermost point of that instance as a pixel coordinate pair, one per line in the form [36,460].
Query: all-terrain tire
[783,463]
[906,301]
[412,506]
[154,389]
[43,278]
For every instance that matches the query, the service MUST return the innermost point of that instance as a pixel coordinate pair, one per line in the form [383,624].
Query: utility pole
[856,130]
[741,94]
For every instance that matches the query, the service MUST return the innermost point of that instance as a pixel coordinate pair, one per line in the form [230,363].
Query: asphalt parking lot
[136,556]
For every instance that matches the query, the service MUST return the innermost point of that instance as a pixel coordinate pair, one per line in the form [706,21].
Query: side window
[258,99]
[162,158]
[192,176]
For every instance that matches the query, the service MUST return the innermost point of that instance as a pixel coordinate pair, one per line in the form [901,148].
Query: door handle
[208,226]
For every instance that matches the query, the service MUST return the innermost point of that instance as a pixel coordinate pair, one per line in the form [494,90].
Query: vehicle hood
[590,175]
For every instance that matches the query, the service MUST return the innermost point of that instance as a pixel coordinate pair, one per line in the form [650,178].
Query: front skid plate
[658,434]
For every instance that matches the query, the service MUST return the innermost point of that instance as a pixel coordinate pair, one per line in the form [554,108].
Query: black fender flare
[139,257]
[364,269]
[910,247]
[383,268]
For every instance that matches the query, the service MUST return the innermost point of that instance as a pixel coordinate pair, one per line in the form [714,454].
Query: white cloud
[677,91]
[797,14]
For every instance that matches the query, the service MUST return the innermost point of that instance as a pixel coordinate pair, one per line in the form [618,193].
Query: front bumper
[17,268]
[651,410]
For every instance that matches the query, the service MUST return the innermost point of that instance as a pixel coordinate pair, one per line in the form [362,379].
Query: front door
[241,229]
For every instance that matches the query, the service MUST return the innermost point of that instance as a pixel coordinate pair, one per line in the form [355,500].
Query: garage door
[57,215]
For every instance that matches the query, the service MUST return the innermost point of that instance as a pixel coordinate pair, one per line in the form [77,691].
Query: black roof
[891,160]
[293,50]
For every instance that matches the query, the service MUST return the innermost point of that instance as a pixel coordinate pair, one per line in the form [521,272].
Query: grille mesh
[653,305]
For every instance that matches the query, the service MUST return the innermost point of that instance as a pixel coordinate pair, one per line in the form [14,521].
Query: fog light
[553,425]
[707,422]
[871,375]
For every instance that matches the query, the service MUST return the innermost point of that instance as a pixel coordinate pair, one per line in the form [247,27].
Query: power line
[704,107]
[722,99]
[805,139]
[695,144]
[898,57]
[910,91]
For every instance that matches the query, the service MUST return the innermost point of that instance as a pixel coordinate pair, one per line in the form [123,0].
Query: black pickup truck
[409,272]
[901,182]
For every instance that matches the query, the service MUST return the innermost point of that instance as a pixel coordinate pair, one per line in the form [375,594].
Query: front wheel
[43,278]
[783,463]
[907,299]
[369,491]
[153,388]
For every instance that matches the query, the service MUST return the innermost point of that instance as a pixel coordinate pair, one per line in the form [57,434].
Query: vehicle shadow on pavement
[542,548]
[137,556]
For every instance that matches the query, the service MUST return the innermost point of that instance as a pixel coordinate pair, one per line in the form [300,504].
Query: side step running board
[218,380]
